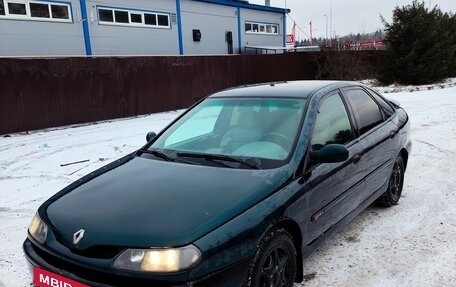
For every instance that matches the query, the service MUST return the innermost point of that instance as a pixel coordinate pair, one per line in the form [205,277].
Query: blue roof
[247,5]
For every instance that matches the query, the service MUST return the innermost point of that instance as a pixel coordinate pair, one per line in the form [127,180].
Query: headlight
[38,229]
[158,260]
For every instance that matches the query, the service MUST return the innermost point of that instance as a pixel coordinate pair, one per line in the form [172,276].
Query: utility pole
[326,39]
[330,22]
[311,36]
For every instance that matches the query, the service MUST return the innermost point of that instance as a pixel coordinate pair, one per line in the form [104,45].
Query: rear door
[377,134]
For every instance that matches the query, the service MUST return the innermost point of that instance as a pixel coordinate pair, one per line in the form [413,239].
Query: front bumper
[232,276]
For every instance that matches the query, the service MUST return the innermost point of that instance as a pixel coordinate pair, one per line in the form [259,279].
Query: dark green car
[237,191]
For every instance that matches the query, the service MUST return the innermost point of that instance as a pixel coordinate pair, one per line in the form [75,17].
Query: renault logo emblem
[78,236]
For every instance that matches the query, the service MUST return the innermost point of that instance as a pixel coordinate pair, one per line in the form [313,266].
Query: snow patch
[412,244]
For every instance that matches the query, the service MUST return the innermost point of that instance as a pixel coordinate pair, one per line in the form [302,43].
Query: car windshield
[235,129]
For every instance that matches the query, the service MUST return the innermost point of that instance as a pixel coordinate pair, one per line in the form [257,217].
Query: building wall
[38,37]
[248,15]
[129,40]
[85,34]
[213,21]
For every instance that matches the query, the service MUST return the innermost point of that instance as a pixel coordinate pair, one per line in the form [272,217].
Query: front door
[333,188]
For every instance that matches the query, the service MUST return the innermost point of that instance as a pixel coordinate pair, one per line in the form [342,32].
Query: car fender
[238,239]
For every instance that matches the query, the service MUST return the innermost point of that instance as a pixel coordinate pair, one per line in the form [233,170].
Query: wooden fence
[40,93]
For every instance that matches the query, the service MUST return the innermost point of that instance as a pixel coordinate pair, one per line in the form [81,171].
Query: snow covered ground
[412,244]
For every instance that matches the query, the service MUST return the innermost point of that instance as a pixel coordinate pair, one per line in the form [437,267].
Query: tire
[274,263]
[393,193]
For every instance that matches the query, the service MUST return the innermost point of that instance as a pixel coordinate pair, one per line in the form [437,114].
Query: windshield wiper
[159,154]
[164,156]
[218,157]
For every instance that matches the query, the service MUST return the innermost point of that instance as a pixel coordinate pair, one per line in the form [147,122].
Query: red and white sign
[371,43]
[290,39]
[43,278]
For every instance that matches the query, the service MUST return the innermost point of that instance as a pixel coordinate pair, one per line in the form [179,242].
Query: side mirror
[150,136]
[330,153]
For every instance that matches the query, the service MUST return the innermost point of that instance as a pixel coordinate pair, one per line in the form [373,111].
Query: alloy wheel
[275,271]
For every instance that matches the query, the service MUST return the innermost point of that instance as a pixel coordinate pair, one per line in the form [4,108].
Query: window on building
[163,20]
[125,17]
[2,7]
[17,9]
[59,12]
[135,18]
[121,17]
[105,15]
[150,19]
[39,10]
[35,10]
[260,28]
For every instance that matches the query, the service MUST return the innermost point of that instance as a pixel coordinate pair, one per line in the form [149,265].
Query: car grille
[97,251]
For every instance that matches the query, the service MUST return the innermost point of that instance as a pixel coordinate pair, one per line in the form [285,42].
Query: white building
[137,27]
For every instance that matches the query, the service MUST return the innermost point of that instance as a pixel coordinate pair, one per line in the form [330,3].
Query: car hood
[140,202]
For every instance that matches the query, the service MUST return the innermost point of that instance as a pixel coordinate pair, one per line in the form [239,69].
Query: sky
[348,16]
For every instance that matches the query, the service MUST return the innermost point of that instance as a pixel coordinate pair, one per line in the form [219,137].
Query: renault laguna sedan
[237,191]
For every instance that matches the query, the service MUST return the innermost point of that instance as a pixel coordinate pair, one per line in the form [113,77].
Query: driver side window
[332,125]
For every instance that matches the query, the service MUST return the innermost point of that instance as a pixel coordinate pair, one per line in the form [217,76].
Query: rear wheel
[274,264]
[393,193]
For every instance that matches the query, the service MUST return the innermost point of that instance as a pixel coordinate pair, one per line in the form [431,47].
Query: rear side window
[382,102]
[366,110]
[332,125]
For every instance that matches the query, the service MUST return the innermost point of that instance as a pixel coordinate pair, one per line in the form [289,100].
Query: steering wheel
[279,139]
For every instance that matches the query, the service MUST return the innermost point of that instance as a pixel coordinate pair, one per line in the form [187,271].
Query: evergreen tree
[420,45]
[451,24]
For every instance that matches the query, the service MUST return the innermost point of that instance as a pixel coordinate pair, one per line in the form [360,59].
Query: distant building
[136,27]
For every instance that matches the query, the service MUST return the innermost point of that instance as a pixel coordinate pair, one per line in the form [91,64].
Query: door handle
[356,158]
[392,134]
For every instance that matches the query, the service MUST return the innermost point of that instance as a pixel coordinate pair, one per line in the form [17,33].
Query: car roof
[292,89]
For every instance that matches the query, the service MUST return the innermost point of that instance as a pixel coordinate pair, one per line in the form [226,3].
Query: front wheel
[393,193]
[274,264]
